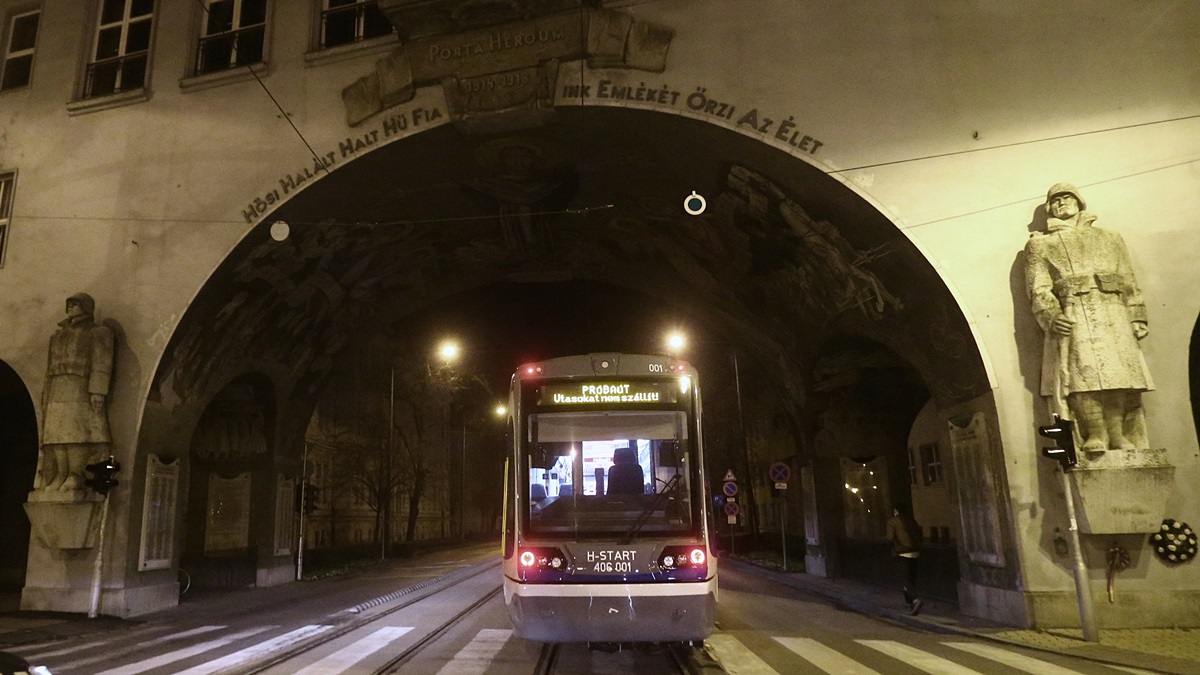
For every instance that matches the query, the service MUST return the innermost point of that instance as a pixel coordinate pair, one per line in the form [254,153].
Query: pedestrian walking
[905,536]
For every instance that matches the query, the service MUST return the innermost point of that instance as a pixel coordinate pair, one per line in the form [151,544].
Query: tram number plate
[609,561]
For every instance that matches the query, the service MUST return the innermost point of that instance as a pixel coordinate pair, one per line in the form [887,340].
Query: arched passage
[18,462]
[784,259]
[230,524]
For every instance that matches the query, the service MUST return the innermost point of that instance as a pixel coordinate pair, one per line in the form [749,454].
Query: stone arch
[18,463]
[786,258]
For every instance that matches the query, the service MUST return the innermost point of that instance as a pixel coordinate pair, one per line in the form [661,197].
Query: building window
[122,48]
[931,464]
[7,180]
[234,34]
[18,56]
[348,21]
[913,474]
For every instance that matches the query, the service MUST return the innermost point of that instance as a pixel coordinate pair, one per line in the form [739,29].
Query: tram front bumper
[662,612]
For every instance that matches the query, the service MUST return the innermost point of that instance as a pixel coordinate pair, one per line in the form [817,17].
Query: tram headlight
[548,559]
[675,558]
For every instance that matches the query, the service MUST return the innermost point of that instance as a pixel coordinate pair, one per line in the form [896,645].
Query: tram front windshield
[610,473]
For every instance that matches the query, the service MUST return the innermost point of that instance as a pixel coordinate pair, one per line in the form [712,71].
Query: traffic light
[102,475]
[310,494]
[1062,432]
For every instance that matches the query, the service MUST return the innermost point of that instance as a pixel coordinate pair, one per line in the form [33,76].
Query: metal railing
[352,23]
[115,75]
[230,49]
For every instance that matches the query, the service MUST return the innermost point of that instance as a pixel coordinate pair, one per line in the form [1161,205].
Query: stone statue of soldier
[75,397]
[1083,293]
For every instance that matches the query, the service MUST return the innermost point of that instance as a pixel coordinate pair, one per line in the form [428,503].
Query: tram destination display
[601,393]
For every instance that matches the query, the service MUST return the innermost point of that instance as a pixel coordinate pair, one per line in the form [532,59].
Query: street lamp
[449,351]
[501,411]
[676,342]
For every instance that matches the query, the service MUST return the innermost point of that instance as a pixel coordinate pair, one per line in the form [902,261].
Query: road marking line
[135,647]
[479,653]
[342,660]
[917,658]
[180,654]
[255,651]
[1011,659]
[825,658]
[735,657]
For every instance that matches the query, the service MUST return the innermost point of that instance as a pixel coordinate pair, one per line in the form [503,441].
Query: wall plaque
[977,490]
[158,514]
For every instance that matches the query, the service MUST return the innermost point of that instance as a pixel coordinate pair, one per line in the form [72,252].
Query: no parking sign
[780,474]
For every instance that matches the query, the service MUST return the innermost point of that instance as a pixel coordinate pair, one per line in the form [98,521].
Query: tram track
[677,660]
[363,617]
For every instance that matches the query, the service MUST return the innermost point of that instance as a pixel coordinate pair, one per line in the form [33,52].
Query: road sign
[729,477]
[731,509]
[780,473]
[729,488]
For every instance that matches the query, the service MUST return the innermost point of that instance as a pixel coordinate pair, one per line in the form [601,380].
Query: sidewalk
[1166,650]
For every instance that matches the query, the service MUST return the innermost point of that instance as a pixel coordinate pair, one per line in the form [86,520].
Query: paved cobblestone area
[1177,643]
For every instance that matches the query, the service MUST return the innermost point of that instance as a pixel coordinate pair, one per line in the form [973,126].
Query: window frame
[8,188]
[9,55]
[932,472]
[201,35]
[360,9]
[86,88]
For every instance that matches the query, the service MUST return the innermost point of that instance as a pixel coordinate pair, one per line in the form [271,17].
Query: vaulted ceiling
[785,261]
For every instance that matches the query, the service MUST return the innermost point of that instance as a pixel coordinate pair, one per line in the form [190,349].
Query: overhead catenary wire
[283,113]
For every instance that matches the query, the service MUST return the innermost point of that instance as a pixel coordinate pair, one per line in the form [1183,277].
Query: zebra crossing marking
[1021,662]
[479,653]
[345,658]
[135,647]
[918,659]
[827,659]
[255,651]
[184,653]
[735,657]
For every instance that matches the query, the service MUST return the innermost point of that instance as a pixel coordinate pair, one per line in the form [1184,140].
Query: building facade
[244,186]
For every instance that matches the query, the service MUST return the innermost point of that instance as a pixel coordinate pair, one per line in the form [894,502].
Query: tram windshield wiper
[645,514]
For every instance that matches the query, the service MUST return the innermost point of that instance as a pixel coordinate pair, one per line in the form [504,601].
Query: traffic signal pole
[93,608]
[1062,432]
[1083,590]
[102,482]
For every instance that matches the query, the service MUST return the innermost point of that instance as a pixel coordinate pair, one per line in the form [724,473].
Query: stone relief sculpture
[75,397]
[525,183]
[1084,296]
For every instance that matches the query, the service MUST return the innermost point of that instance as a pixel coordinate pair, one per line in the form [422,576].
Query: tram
[607,526]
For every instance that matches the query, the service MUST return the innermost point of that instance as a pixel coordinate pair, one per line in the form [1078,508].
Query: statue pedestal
[1122,492]
[66,520]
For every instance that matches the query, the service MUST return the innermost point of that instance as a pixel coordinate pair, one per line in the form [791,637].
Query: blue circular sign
[780,473]
[730,489]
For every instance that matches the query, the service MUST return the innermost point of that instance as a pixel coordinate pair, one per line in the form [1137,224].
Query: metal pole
[783,529]
[462,483]
[1083,591]
[750,502]
[386,468]
[303,501]
[96,568]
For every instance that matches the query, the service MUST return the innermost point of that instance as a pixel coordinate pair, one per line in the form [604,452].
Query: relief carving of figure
[1083,293]
[74,400]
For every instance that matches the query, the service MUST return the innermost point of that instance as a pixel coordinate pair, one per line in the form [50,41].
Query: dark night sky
[500,327]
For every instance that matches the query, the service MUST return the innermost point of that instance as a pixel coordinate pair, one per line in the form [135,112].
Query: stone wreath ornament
[1174,543]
